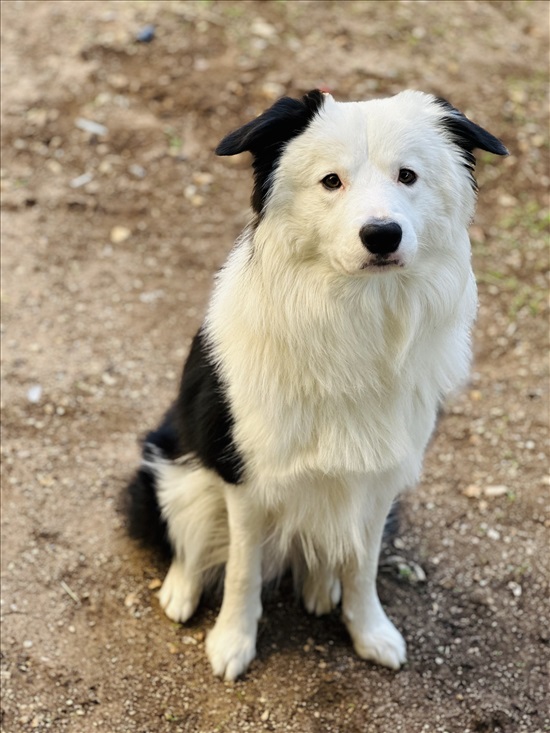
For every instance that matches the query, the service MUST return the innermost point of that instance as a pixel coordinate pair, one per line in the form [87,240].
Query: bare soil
[105,279]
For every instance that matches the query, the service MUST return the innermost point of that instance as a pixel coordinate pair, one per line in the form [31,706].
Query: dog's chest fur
[330,380]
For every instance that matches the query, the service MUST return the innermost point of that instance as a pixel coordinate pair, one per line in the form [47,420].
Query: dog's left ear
[466,134]
[278,124]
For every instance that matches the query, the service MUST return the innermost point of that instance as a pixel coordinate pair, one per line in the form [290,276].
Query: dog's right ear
[286,119]
[266,136]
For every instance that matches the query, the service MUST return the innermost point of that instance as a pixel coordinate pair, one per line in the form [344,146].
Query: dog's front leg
[231,645]
[373,634]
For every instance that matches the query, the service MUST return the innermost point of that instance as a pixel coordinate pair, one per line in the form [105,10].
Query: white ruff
[331,377]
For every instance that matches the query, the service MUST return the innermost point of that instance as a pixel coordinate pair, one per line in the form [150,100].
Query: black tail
[144,518]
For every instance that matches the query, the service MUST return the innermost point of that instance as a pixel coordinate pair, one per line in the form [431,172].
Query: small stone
[155,583]
[94,128]
[264,717]
[120,234]
[262,29]
[131,600]
[138,171]
[472,491]
[34,394]
[202,179]
[82,180]
[146,34]
[419,574]
[495,491]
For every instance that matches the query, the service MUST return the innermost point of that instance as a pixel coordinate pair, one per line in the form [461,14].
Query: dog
[339,323]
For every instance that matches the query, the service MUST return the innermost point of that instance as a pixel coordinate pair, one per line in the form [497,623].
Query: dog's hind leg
[373,634]
[192,504]
[231,645]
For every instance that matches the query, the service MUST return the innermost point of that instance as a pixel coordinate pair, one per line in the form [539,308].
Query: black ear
[266,136]
[280,123]
[466,134]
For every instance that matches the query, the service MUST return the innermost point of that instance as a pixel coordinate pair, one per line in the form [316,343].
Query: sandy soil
[105,279]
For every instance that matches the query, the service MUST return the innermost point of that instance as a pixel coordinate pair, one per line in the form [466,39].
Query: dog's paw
[180,593]
[382,644]
[321,592]
[230,649]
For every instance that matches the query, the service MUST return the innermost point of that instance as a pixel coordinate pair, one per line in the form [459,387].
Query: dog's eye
[407,176]
[331,182]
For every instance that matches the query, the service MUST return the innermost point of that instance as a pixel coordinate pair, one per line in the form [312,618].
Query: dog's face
[363,187]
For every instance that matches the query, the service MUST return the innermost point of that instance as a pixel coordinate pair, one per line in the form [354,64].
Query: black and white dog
[339,323]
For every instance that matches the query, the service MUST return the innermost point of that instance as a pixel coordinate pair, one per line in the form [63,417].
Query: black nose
[381,237]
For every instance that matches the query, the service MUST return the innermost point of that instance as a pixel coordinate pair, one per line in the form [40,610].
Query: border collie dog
[337,326]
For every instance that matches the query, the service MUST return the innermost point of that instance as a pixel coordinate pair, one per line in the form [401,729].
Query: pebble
[131,600]
[120,234]
[146,34]
[262,29]
[201,178]
[494,491]
[473,491]
[155,583]
[138,171]
[94,128]
[82,180]
[34,394]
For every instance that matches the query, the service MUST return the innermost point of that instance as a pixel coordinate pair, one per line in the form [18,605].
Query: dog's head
[363,186]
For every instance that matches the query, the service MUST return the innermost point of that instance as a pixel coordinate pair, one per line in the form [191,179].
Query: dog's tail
[144,519]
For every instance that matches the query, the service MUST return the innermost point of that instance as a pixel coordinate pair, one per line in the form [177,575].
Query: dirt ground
[110,240]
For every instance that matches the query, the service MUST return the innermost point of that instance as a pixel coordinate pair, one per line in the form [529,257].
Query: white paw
[321,593]
[382,644]
[230,649]
[180,593]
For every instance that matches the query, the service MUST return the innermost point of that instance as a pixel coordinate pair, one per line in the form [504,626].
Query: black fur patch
[199,423]
[266,136]
[468,136]
[203,416]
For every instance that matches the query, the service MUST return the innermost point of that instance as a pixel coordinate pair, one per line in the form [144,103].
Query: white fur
[334,373]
